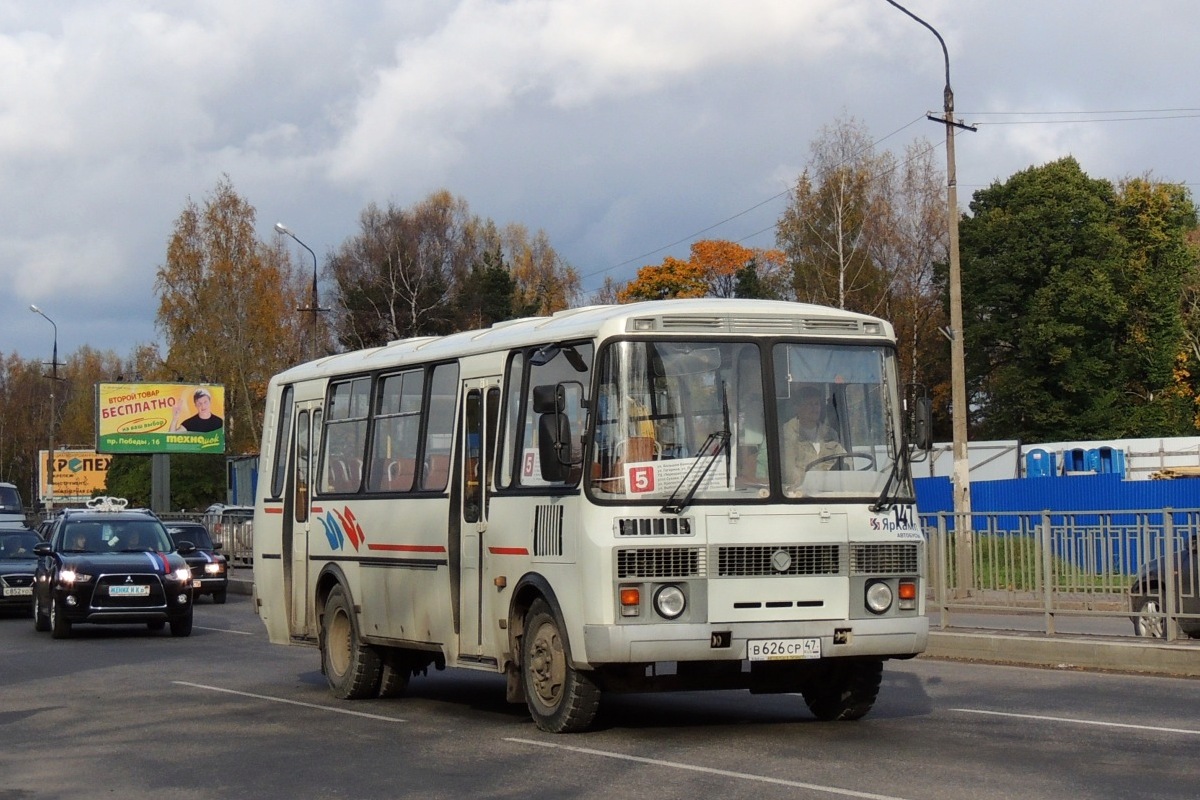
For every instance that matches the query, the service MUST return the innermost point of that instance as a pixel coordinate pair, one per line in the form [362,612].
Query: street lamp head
[281,228]
[34,309]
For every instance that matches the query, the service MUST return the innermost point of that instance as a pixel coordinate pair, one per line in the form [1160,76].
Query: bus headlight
[669,602]
[879,597]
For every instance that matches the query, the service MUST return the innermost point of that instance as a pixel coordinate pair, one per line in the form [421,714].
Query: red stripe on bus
[509,551]
[409,548]
[272,510]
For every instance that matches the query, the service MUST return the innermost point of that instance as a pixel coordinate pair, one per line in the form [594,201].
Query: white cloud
[618,126]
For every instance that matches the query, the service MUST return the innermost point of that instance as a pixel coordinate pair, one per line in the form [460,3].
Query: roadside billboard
[160,418]
[78,474]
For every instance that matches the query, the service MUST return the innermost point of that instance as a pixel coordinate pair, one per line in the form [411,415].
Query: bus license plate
[783,649]
[129,591]
[18,591]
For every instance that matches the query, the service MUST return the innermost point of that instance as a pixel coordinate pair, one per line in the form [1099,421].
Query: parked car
[210,570]
[1147,595]
[17,564]
[106,564]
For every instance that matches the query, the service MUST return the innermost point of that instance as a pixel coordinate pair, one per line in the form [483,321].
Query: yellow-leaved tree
[228,308]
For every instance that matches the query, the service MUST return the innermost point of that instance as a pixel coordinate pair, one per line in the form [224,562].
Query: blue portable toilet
[1075,460]
[1110,461]
[1040,464]
[1092,460]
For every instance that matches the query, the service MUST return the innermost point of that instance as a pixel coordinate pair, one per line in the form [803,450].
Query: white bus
[684,494]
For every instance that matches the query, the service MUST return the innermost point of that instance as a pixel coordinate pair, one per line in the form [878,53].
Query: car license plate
[18,591]
[129,591]
[783,649]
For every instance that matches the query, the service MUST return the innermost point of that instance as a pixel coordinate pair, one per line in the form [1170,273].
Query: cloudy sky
[623,128]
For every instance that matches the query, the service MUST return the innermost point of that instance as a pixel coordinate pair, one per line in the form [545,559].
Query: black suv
[110,565]
[210,569]
[17,562]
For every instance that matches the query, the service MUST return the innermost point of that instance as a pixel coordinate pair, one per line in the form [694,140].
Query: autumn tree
[435,268]
[715,268]
[542,282]
[835,212]
[228,307]
[24,421]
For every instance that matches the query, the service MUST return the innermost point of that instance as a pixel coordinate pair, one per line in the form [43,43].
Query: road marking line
[270,699]
[224,630]
[1098,723]
[745,776]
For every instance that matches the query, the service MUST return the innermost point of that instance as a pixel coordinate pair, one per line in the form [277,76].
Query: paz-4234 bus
[683,494]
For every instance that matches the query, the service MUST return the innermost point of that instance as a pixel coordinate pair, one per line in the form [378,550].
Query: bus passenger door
[308,431]
[477,437]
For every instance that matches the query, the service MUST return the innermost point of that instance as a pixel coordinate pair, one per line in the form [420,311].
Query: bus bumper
[623,644]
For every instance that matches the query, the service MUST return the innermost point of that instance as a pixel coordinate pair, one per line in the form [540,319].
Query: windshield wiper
[896,477]
[719,442]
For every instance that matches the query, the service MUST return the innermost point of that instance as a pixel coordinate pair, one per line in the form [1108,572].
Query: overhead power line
[1062,117]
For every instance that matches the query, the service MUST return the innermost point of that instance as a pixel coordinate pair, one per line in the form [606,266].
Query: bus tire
[560,698]
[842,692]
[394,673]
[351,667]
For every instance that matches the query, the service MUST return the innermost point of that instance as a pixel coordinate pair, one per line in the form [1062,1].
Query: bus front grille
[763,560]
[884,559]
[660,562]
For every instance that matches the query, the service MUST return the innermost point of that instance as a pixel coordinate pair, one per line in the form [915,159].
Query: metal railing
[1137,568]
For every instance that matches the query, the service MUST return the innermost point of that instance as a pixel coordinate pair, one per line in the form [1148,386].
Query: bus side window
[439,433]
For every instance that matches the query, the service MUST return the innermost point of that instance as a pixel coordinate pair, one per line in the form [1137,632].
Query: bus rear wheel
[351,667]
[561,699]
[844,691]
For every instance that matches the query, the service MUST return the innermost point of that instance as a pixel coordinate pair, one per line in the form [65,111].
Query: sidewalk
[1114,653]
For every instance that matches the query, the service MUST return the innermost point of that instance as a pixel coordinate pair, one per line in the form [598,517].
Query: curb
[1062,652]
[241,585]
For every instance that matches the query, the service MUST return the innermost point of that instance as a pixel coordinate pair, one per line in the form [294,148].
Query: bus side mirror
[922,423]
[554,432]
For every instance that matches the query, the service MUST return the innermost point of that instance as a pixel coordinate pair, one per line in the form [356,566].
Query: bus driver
[807,439]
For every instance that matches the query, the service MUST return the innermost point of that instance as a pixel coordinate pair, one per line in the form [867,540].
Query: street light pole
[53,385]
[313,305]
[961,476]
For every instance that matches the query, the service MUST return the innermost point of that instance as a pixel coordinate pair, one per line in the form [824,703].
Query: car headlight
[215,568]
[669,602]
[879,597]
[182,574]
[69,577]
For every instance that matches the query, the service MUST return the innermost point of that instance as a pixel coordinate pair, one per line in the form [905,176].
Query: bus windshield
[724,420]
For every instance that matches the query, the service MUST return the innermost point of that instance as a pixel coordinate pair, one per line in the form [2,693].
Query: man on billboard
[203,421]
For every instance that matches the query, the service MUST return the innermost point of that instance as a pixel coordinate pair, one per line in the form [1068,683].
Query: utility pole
[961,476]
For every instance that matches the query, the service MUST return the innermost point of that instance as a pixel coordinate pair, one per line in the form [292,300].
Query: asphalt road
[122,712]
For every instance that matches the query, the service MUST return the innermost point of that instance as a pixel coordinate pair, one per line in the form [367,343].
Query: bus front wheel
[844,691]
[561,699]
[351,667]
